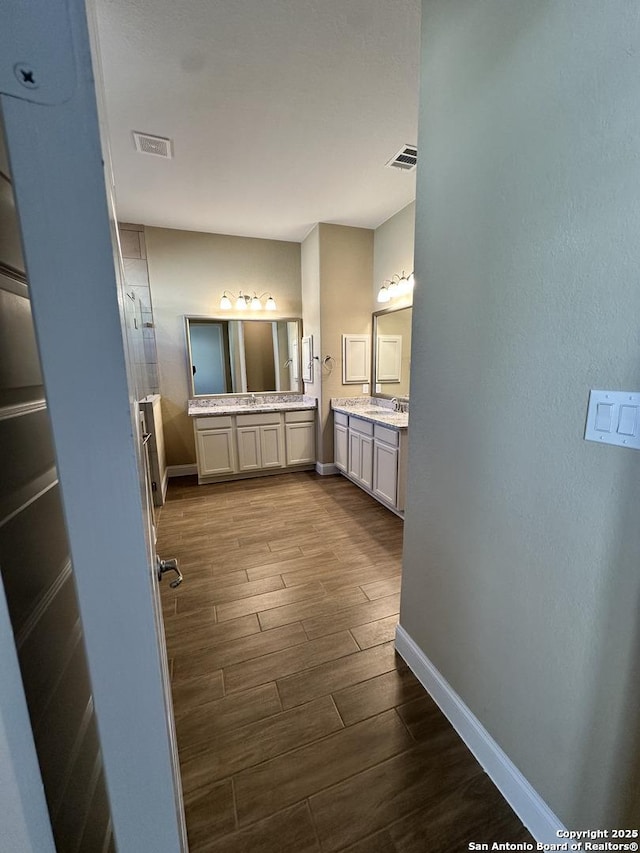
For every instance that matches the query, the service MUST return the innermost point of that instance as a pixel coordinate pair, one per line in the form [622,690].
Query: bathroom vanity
[370,447]
[239,437]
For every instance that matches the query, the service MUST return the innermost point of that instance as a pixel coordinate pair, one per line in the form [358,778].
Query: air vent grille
[158,146]
[405,159]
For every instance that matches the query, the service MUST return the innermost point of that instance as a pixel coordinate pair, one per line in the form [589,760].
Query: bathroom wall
[393,253]
[346,268]
[188,272]
[336,282]
[311,322]
[522,542]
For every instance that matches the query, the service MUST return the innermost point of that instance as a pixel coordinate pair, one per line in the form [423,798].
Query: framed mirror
[392,352]
[243,356]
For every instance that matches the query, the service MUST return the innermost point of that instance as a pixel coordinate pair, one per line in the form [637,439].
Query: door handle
[171,565]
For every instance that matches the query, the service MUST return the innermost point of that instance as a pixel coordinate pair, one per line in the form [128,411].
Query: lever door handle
[171,565]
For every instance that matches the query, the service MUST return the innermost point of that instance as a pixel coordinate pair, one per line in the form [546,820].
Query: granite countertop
[247,405]
[373,409]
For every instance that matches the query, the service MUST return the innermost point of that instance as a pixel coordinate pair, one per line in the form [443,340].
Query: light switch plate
[613,417]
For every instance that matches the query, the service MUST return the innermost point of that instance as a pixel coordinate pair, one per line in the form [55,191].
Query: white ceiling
[282,113]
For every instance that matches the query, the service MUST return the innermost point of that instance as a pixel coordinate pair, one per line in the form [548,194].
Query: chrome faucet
[395,404]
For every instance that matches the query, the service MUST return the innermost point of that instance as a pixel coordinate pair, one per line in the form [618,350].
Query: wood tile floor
[299,728]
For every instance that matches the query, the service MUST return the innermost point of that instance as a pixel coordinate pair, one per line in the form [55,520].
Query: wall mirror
[392,352]
[243,356]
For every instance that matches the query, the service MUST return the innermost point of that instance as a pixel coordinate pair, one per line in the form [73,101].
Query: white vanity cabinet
[215,446]
[341,441]
[385,464]
[260,441]
[241,445]
[374,456]
[300,437]
[361,451]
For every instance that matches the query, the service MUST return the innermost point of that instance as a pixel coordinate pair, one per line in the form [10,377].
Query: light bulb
[403,285]
[241,304]
[411,281]
[256,305]
[383,294]
[225,302]
[271,304]
[393,288]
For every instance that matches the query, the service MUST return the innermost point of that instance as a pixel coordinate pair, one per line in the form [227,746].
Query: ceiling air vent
[405,159]
[156,145]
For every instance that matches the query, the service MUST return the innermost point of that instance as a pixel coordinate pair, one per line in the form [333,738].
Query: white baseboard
[325,468]
[181,470]
[523,799]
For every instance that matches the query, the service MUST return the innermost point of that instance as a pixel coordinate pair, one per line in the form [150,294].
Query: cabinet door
[301,443]
[366,461]
[249,456]
[355,466]
[215,452]
[356,361]
[340,447]
[385,472]
[271,446]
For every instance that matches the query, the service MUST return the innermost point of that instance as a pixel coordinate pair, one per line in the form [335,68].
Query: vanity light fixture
[244,301]
[405,283]
[383,293]
[397,285]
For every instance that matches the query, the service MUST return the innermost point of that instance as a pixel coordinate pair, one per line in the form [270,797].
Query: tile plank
[292,777]
[257,742]
[336,674]
[210,814]
[213,719]
[224,655]
[288,831]
[391,790]
[379,589]
[258,603]
[298,563]
[320,626]
[213,594]
[376,633]
[199,630]
[474,811]
[190,693]
[377,694]
[381,842]
[300,610]
[280,664]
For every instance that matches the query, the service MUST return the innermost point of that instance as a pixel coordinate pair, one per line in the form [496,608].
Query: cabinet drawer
[358,425]
[389,436]
[340,419]
[214,422]
[300,417]
[258,419]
